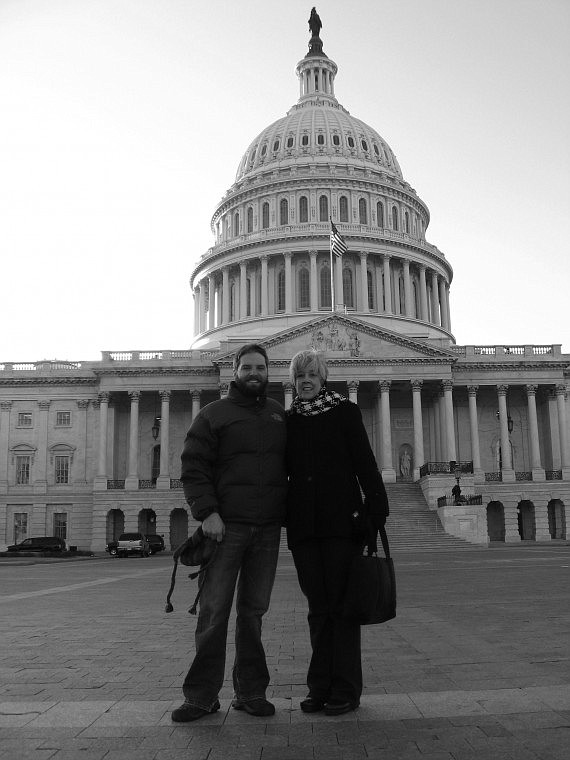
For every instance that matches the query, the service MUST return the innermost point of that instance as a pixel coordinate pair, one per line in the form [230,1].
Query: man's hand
[213,527]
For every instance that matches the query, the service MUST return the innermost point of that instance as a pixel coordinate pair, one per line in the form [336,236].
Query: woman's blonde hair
[305,360]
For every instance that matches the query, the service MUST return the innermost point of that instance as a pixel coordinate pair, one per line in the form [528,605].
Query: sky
[122,123]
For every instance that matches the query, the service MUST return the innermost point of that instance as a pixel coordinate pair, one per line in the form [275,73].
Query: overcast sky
[122,123]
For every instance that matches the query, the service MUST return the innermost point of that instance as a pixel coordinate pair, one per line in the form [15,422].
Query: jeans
[247,556]
[335,670]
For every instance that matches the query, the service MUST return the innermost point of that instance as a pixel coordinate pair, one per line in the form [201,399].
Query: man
[234,478]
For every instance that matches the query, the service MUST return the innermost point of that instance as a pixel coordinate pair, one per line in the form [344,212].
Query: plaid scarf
[324,401]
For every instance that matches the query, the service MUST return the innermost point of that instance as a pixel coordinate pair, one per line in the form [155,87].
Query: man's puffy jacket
[233,460]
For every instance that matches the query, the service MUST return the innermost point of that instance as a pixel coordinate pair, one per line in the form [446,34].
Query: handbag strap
[373,545]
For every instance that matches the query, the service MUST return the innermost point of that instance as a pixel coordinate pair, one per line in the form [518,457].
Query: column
[536,465]
[202,306]
[362,301]
[506,459]
[449,426]
[353,390]
[418,427]
[80,469]
[387,286]
[101,479]
[196,297]
[242,290]
[434,299]
[442,427]
[288,391]
[288,283]
[443,302]
[264,287]
[5,407]
[163,480]
[40,468]
[211,302]
[338,286]
[195,402]
[397,304]
[225,295]
[407,290]
[560,400]
[132,480]
[388,472]
[447,307]
[314,282]
[423,295]
[224,388]
[474,429]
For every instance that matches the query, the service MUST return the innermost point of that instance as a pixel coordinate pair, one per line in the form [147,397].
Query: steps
[412,526]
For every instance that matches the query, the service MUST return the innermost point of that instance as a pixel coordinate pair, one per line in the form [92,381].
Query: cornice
[509,367]
[145,371]
[4,381]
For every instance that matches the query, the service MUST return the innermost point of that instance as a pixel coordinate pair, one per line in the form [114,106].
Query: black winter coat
[233,460]
[329,462]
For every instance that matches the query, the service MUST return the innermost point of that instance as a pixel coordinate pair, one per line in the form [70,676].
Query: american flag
[338,246]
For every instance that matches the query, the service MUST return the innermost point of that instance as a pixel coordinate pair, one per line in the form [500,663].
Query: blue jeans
[247,556]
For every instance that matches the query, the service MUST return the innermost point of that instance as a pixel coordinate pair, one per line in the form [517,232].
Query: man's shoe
[312,705]
[259,707]
[339,708]
[187,712]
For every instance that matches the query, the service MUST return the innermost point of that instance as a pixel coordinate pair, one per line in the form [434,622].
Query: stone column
[288,391]
[397,303]
[242,290]
[314,284]
[387,286]
[80,469]
[449,425]
[447,307]
[338,286]
[202,306]
[407,289]
[423,295]
[442,427]
[562,430]
[40,468]
[536,465]
[443,302]
[388,472]
[132,479]
[101,479]
[418,427]
[224,388]
[211,302]
[353,390]
[264,287]
[225,295]
[362,302]
[474,429]
[195,393]
[163,480]
[5,407]
[434,299]
[507,463]
[288,282]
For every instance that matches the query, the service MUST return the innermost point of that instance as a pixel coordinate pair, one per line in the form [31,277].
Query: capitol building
[91,449]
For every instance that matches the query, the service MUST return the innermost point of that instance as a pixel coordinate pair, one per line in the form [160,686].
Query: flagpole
[332,268]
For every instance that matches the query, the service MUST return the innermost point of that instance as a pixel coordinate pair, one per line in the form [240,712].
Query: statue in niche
[405,464]
[315,24]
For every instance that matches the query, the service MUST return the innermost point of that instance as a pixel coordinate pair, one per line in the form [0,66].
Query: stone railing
[115,485]
[493,477]
[553,474]
[503,352]
[446,468]
[175,483]
[449,501]
[147,484]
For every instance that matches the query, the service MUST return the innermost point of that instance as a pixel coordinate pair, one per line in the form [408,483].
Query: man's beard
[258,390]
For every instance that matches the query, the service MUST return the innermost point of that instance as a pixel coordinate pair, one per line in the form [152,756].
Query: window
[63,419]
[283,211]
[394,218]
[265,215]
[263,151]
[350,142]
[380,214]
[347,289]
[304,301]
[281,290]
[325,288]
[276,146]
[376,150]
[61,469]
[23,464]
[236,224]
[290,142]
[20,526]
[364,145]
[60,525]
[25,419]
[250,219]
[362,211]
[343,208]
[303,209]
[336,140]
[305,141]
[320,139]
[323,208]
[407,222]
[370,286]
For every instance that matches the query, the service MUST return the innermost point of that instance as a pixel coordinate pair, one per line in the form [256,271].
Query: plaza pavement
[475,666]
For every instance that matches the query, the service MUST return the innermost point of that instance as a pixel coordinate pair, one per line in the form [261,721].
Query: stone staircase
[412,526]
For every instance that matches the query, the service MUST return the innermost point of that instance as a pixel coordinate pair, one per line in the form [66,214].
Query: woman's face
[308,383]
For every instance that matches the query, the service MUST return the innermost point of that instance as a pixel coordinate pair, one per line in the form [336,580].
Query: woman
[330,462]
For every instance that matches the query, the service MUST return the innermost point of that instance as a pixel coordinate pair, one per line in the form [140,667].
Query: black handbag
[370,596]
[196,550]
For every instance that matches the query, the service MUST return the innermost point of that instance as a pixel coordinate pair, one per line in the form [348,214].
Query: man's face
[251,374]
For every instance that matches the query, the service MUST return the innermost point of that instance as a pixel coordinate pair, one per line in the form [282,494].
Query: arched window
[236,224]
[370,287]
[325,288]
[276,146]
[265,215]
[336,140]
[407,222]
[343,208]
[351,142]
[380,214]
[323,209]
[347,289]
[281,290]
[303,209]
[250,219]
[320,139]
[304,292]
[283,211]
[362,211]
[394,218]
[305,140]
[364,145]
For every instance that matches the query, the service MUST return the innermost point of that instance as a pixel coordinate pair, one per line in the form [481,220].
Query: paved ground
[475,666]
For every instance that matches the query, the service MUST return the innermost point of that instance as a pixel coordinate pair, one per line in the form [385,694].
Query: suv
[155,542]
[129,543]
[40,544]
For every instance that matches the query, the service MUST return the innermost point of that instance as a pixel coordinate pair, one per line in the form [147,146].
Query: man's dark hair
[250,348]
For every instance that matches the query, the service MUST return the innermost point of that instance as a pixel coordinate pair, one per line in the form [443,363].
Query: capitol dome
[270,266]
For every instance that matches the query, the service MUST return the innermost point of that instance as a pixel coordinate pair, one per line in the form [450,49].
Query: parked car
[129,543]
[155,542]
[39,544]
